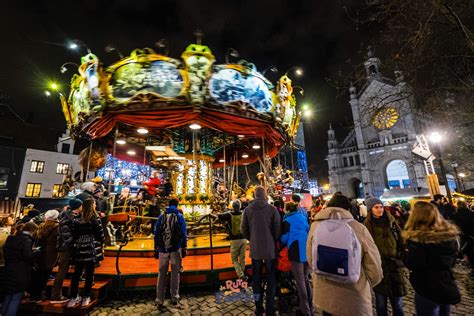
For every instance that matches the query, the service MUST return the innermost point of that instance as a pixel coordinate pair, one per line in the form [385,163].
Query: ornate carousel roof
[157,92]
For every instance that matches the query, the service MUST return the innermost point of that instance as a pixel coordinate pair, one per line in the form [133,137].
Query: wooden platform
[138,273]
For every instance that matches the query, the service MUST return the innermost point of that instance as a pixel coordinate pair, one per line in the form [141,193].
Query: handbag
[283,263]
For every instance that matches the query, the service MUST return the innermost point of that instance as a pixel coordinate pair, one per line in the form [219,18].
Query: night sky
[316,35]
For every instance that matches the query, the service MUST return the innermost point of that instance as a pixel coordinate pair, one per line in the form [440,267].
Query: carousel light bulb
[221,160]
[245,155]
[435,137]
[131,153]
[121,141]
[256,146]
[73,46]
[299,72]
[47,93]
[240,136]
[142,131]
[54,86]
[195,126]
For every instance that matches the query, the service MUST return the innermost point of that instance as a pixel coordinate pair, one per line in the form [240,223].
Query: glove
[183,253]
[157,254]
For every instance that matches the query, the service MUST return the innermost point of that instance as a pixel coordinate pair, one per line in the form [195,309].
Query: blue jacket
[182,226]
[294,235]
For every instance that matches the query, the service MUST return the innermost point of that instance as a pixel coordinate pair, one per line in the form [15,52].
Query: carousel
[189,126]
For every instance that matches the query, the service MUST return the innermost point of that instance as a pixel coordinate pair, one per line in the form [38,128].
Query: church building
[376,155]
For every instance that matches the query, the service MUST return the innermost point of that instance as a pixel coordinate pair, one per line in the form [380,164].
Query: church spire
[372,64]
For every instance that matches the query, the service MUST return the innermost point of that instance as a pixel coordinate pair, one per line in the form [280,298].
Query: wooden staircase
[99,293]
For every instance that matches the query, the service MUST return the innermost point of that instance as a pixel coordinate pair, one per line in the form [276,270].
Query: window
[37,166]
[62,168]
[65,148]
[357,160]
[351,161]
[344,159]
[4,172]
[57,192]
[33,190]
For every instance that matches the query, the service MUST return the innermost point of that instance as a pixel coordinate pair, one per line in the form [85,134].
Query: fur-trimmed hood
[431,237]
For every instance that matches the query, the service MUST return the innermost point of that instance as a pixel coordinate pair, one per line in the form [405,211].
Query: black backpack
[170,236]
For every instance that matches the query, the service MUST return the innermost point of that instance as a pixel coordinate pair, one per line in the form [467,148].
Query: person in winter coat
[88,239]
[346,299]
[64,246]
[170,247]
[295,230]
[88,189]
[387,236]
[31,214]
[238,244]
[19,255]
[46,238]
[464,219]
[261,225]
[5,230]
[432,247]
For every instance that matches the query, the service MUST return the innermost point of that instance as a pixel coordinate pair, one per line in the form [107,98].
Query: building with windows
[376,155]
[44,171]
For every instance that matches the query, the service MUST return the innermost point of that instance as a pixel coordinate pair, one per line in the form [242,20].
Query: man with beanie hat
[345,298]
[238,243]
[261,225]
[64,245]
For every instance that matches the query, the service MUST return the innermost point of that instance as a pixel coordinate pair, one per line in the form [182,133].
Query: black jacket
[18,252]
[464,218]
[430,259]
[65,237]
[88,240]
[227,218]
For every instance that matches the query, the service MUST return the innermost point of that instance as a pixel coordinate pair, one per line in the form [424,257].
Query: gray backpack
[336,251]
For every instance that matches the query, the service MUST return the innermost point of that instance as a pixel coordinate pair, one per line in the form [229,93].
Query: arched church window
[372,70]
[397,174]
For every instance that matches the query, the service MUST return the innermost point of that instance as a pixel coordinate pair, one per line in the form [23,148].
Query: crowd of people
[338,251]
[347,251]
[32,246]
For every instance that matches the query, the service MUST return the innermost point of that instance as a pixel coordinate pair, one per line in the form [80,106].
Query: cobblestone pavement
[204,303]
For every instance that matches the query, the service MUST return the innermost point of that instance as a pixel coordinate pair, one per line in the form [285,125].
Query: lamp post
[271,68]
[76,43]
[230,52]
[462,175]
[455,165]
[298,71]
[436,138]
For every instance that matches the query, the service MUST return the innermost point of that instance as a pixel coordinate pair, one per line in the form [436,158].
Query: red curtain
[159,119]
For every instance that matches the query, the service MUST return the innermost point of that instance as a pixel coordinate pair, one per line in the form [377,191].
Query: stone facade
[384,132]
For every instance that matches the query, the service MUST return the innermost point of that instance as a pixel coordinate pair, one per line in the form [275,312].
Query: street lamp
[163,44]
[301,89]
[436,138]
[462,175]
[76,43]
[271,68]
[63,68]
[455,165]
[111,48]
[298,71]
[230,52]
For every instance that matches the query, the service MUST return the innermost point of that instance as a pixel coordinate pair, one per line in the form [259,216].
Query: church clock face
[385,118]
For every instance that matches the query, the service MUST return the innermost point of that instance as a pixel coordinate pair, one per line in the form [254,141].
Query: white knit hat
[51,215]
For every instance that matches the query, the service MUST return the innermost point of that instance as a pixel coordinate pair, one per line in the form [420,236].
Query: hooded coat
[346,299]
[46,237]
[387,236]
[430,258]
[18,252]
[294,235]
[261,225]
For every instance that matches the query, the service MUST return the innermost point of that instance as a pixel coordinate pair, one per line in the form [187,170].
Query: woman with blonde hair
[432,246]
